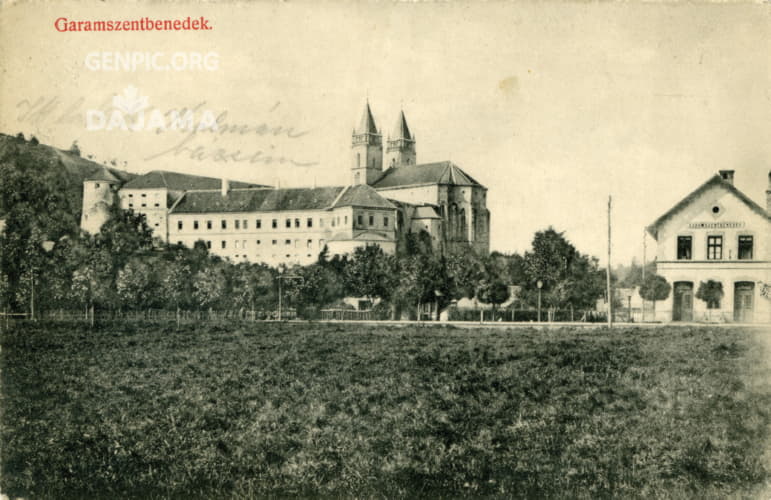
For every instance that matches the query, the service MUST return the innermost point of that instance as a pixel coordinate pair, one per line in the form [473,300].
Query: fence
[524,315]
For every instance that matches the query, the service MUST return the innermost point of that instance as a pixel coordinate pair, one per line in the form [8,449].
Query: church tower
[367,149]
[401,145]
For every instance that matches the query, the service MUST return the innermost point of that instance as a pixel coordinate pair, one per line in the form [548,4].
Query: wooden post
[607,274]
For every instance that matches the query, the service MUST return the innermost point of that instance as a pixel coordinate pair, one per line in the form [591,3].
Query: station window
[714,247]
[684,247]
[745,247]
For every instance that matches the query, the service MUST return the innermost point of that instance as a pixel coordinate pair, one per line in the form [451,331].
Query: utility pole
[644,248]
[607,274]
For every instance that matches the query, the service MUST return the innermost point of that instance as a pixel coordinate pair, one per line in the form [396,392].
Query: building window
[310,243]
[131,195]
[297,223]
[238,244]
[288,223]
[385,221]
[179,225]
[275,223]
[310,222]
[179,243]
[258,242]
[144,195]
[224,243]
[144,204]
[243,224]
[287,242]
[714,247]
[297,243]
[224,225]
[745,247]
[321,222]
[131,205]
[684,247]
[321,243]
[345,220]
[360,220]
[275,242]
[258,224]
[243,244]
[238,224]
[208,244]
[371,220]
[195,224]
[208,224]
[157,205]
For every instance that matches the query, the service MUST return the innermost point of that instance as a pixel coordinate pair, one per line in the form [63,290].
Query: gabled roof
[181,182]
[367,123]
[274,200]
[401,130]
[444,172]
[715,180]
[426,212]
[362,196]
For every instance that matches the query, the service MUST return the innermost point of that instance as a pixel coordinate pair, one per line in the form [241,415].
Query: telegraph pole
[607,274]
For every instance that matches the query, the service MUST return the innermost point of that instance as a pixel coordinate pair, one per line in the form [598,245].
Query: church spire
[400,149]
[367,123]
[401,130]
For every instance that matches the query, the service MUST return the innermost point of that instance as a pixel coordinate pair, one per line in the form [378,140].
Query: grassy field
[329,411]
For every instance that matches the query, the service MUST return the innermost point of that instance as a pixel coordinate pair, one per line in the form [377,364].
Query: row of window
[714,247]
[242,244]
[243,224]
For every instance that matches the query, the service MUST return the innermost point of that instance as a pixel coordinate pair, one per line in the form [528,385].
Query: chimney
[225,187]
[768,195]
[728,176]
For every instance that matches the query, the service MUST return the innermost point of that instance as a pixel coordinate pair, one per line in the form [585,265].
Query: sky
[552,106]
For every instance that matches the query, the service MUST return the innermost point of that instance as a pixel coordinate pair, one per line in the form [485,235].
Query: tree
[710,292]
[251,282]
[493,292]
[465,271]
[136,285]
[176,283]
[654,288]
[209,286]
[369,273]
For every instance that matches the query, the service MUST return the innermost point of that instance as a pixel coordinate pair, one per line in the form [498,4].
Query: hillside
[50,160]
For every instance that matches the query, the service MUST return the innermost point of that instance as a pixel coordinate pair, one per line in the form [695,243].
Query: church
[389,195]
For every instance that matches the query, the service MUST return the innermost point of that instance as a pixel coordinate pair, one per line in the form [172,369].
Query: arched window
[357,178]
[463,225]
[358,160]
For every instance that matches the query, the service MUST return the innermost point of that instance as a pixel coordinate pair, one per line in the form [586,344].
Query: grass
[257,410]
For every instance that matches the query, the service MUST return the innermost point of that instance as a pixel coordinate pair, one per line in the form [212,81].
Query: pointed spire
[367,124]
[401,130]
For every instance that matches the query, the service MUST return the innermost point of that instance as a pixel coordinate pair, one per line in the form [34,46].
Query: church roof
[275,200]
[426,212]
[367,123]
[401,130]
[445,173]
[715,180]
[181,182]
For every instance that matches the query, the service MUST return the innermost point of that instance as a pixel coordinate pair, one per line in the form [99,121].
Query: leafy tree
[369,273]
[176,283]
[710,292]
[250,283]
[493,292]
[136,285]
[465,271]
[654,288]
[209,286]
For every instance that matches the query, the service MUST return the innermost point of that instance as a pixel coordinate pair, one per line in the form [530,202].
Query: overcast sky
[551,106]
